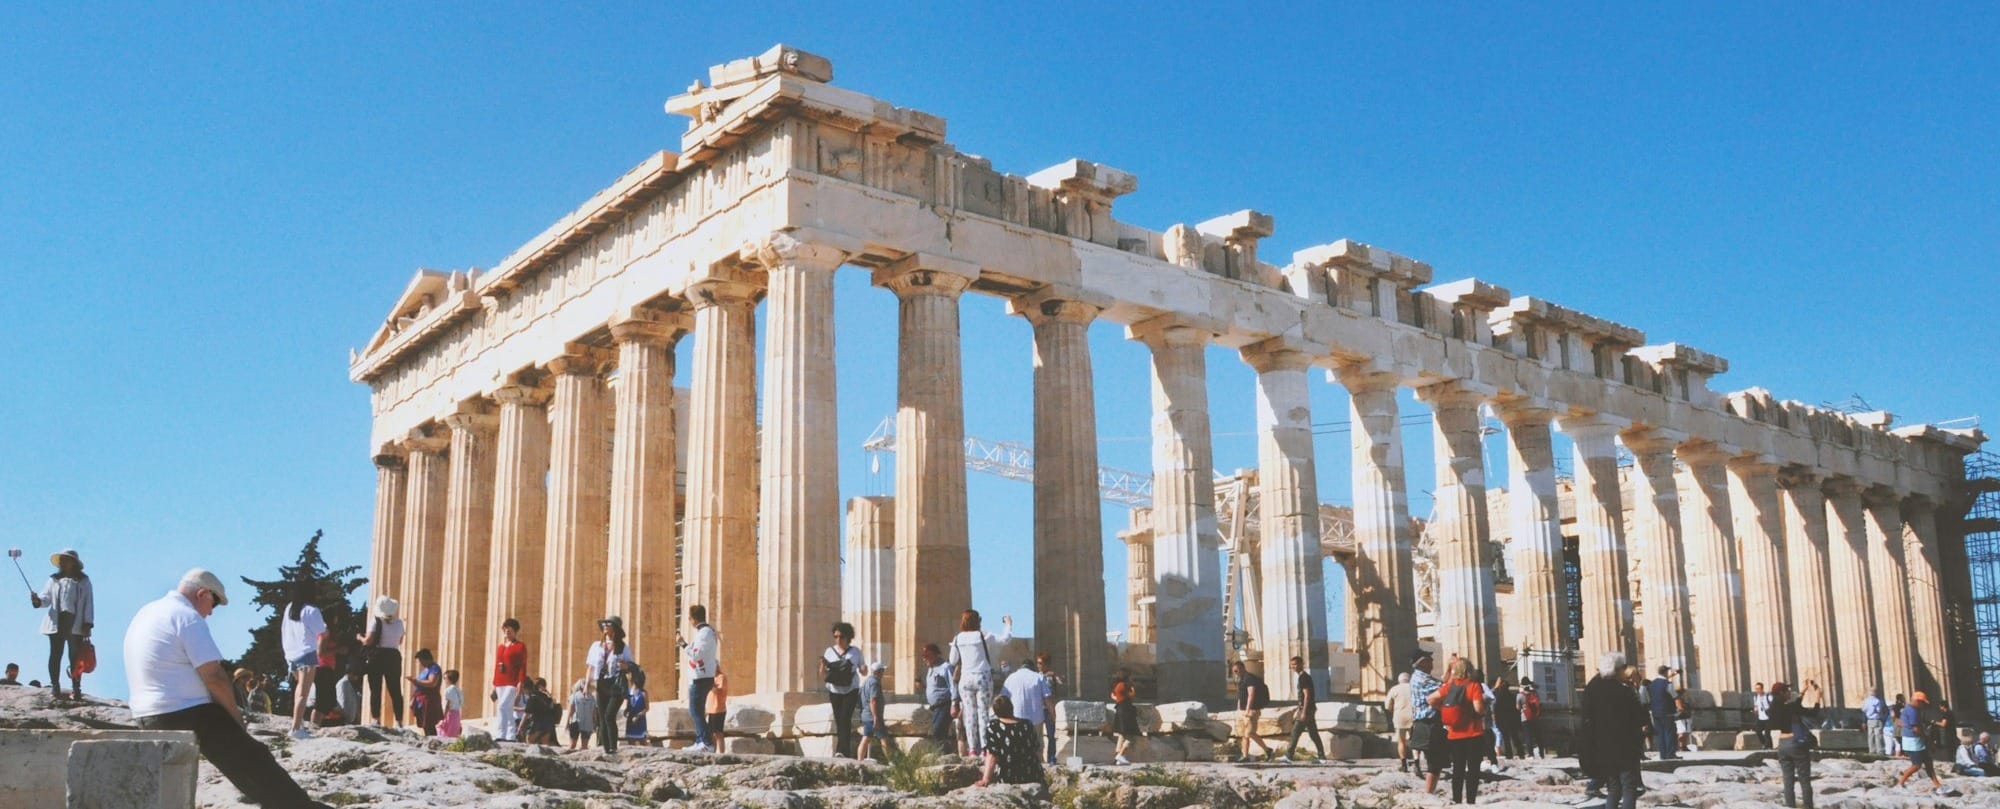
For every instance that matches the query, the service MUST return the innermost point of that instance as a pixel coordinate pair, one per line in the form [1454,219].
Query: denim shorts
[870,730]
[305,661]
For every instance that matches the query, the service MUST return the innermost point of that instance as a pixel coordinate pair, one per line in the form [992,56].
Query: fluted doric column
[1535,518]
[1380,581]
[1854,610]
[1069,532]
[520,521]
[385,553]
[1138,541]
[1721,674]
[1920,553]
[932,561]
[1294,591]
[1468,619]
[1760,534]
[1668,634]
[1815,649]
[1894,636]
[468,545]
[798,588]
[423,539]
[578,546]
[719,530]
[1600,528]
[868,586]
[1186,537]
[642,548]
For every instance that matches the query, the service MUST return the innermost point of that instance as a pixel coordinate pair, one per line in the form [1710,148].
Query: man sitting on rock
[177,683]
[13,675]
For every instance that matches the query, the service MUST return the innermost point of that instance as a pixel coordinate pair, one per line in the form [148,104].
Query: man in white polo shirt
[177,683]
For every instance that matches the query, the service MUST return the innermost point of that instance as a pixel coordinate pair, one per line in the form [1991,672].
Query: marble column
[1920,553]
[1895,637]
[1854,611]
[1294,586]
[798,547]
[1468,619]
[520,522]
[932,561]
[1720,676]
[578,548]
[719,529]
[1069,532]
[423,540]
[641,572]
[1664,624]
[392,483]
[1815,649]
[1600,528]
[1187,540]
[468,538]
[1535,517]
[1139,600]
[1760,535]
[868,586]
[1380,580]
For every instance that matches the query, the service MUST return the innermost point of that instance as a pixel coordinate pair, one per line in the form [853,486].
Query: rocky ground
[377,768]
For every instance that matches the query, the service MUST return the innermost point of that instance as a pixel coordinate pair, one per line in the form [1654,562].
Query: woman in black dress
[1010,748]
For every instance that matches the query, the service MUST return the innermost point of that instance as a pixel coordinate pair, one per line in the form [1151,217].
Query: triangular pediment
[425,291]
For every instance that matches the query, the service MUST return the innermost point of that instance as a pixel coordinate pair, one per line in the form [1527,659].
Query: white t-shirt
[164,645]
[454,699]
[1026,688]
[598,661]
[971,652]
[853,656]
[389,633]
[301,636]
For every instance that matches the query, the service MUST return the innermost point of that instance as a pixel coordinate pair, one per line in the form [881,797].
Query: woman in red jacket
[1461,704]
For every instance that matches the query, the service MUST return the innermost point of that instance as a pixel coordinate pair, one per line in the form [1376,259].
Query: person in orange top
[1461,704]
[716,707]
[1124,716]
[510,664]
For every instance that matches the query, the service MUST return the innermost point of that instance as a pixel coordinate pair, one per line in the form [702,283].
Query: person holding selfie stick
[71,613]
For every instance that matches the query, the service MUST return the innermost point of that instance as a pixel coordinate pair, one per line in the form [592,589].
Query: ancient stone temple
[534,458]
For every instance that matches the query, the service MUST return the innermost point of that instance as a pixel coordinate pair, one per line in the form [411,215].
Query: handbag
[86,660]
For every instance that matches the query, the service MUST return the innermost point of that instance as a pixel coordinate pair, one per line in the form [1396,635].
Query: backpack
[839,670]
[1531,707]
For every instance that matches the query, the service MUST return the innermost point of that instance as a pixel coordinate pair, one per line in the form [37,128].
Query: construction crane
[1016,461]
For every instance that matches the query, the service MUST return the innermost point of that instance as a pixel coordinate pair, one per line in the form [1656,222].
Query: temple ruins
[530,462]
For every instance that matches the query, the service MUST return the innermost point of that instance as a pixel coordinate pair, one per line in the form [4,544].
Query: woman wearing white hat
[382,647]
[71,612]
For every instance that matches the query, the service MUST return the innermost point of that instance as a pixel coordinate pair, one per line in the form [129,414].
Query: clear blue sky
[203,208]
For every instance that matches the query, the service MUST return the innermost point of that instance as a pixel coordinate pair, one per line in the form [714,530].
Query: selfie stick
[15,554]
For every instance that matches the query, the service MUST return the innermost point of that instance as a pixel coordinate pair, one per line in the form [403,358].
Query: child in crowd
[350,695]
[454,706]
[717,708]
[582,715]
[636,705]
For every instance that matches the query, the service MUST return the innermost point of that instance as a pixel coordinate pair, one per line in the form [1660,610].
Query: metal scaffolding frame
[1982,553]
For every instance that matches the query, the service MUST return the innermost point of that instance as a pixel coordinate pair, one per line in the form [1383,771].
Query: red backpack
[1531,707]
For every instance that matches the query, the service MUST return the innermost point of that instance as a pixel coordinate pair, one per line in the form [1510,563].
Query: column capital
[1364,377]
[1588,422]
[1275,355]
[1053,304]
[578,359]
[1168,330]
[1842,486]
[1651,440]
[1702,452]
[1753,464]
[723,284]
[803,249]
[472,416]
[927,274]
[432,440]
[390,456]
[1454,393]
[1799,477]
[1918,504]
[1524,412]
[649,326]
[528,395]
[1878,496]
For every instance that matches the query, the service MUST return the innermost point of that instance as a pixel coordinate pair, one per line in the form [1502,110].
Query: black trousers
[1795,761]
[843,721]
[1621,791]
[246,762]
[1307,725]
[385,673]
[1466,756]
[58,642]
[610,703]
[941,720]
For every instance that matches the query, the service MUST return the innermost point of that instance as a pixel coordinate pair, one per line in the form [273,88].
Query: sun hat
[56,558]
[386,607]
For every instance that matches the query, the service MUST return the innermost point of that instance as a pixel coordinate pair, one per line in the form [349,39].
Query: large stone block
[128,774]
[749,745]
[34,765]
[1083,715]
[1715,740]
[1841,739]
[1174,717]
[907,718]
[1749,740]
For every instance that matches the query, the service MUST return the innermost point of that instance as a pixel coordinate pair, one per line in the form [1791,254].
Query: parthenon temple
[536,460]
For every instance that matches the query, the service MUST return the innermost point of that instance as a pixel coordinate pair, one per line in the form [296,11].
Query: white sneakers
[700,748]
[1121,761]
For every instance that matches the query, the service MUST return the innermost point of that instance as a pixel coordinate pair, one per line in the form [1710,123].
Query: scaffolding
[1982,552]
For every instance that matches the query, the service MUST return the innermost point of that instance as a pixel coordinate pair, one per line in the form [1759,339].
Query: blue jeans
[697,702]
[1664,736]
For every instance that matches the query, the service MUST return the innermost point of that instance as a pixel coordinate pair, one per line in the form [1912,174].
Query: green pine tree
[266,654]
